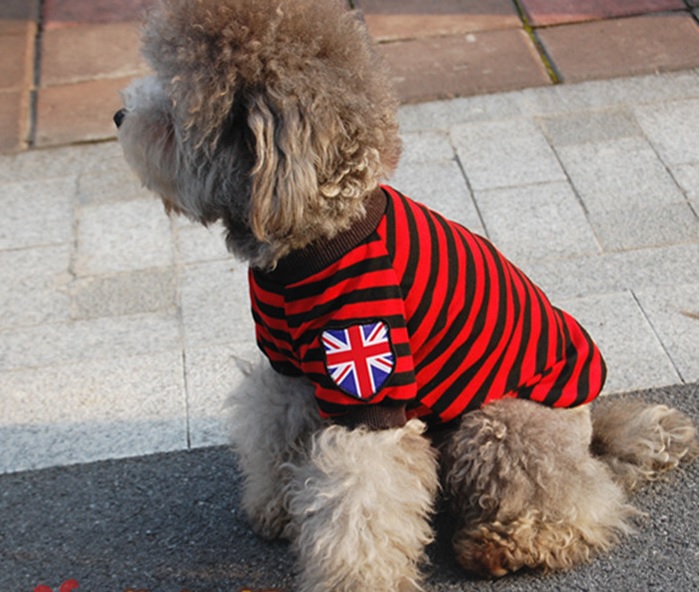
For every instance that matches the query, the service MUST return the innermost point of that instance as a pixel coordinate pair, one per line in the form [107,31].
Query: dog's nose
[119,117]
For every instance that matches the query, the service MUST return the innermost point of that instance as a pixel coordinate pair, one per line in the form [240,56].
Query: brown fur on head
[271,115]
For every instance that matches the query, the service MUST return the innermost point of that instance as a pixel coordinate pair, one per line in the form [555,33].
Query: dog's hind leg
[271,420]
[641,441]
[526,490]
[361,509]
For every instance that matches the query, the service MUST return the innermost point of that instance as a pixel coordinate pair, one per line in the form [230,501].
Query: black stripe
[513,305]
[425,298]
[450,257]
[513,377]
[413,247]
[262,309]
[401,379]
[364,295]
[391,229]
[269,346]
[266,283]
[315,289]
[286,368]
[542,346]
[462,381]
[570,356]
[584,383]
[459,321]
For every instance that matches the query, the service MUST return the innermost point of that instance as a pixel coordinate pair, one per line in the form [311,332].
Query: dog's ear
[284,177]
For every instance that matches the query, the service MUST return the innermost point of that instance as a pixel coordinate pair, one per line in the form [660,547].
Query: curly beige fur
[272,420]
[274,116]
[361,509]
[527,491]
[545,488]
[641,442]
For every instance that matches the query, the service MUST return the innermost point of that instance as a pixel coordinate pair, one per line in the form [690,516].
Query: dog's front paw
[270,521]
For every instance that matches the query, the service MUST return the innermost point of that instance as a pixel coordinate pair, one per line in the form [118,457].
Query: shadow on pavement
[170,522]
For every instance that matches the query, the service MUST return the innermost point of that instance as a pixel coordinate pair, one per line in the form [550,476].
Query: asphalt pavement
[171,522]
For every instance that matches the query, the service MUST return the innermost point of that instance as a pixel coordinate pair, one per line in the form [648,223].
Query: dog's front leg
[360,509]
[272,418]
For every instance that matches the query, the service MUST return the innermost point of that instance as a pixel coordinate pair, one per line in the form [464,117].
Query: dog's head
[273,116]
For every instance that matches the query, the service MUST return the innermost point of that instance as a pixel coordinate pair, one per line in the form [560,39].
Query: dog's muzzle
[119,117]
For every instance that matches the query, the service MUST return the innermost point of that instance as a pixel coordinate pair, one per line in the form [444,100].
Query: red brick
[555,12]
[16,61]
[87,52]
[623,47]
[62,13]
[14,120]
[491,61]
[17,15]
[407,19]
[77,112]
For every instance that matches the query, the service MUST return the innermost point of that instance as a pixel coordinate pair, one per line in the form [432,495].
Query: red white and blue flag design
[359,358]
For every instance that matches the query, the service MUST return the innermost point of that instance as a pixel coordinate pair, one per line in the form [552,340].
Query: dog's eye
[119,117]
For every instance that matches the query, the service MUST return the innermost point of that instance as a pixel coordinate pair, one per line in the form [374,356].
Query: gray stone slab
[212,374]
[602,94]
[125,293]
[196,243]
[673,129]
[444,114]
[31,286]
[125,236]
[636,228]
[36,213]
[505,153]
[442,187]
[581,127]
[111,408]
[216,304]
[635,357]
[619,174]
[62,161]
[674,314]
[537,222]
[100,187]
[687,176]
[44,164]
[426,146]
[104,338]
[616,272]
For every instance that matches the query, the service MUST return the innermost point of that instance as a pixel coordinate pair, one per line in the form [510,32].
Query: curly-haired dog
[406,352]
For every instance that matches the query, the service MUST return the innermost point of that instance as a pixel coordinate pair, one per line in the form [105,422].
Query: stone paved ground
[119,327]
[572,141]
[63,61]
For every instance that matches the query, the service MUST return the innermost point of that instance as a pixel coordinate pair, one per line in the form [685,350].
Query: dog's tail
[641,441]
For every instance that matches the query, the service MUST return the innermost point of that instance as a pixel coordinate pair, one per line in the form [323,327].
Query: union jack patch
[359,358]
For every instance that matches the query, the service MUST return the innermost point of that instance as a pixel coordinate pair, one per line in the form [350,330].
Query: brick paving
[60,59]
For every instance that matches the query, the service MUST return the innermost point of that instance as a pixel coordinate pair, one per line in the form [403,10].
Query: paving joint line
[471,191]
[546,60]
[657,336]
[30,139]
[691,10]
[178,270]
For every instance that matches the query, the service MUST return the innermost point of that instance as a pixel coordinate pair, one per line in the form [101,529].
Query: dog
[406,358]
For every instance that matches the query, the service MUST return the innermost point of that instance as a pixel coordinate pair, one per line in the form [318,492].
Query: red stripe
[430,371]
[512,337]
